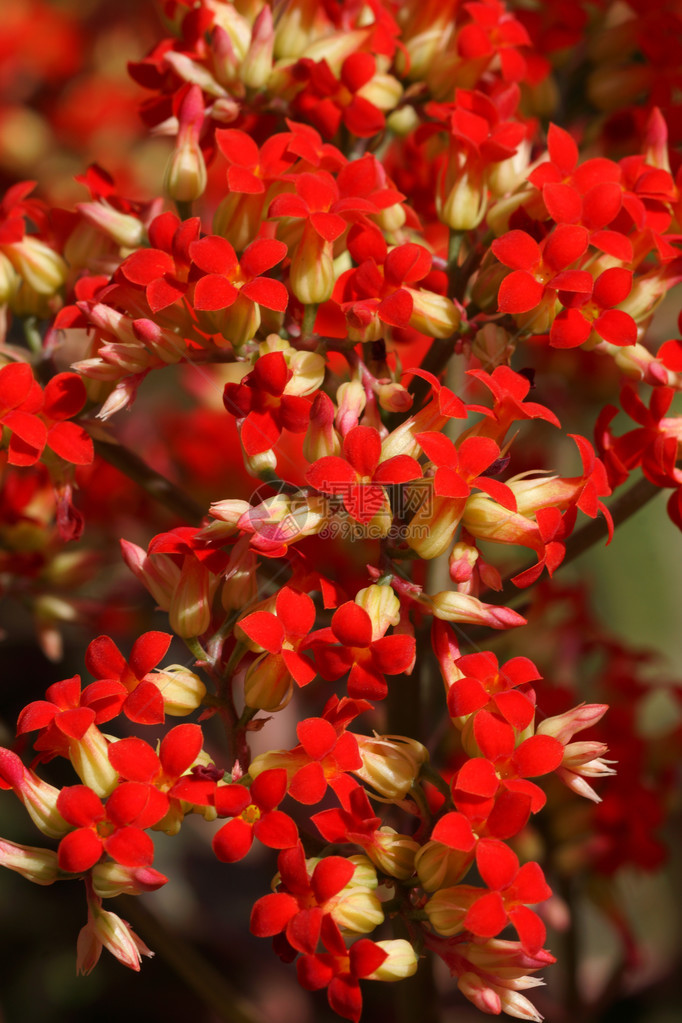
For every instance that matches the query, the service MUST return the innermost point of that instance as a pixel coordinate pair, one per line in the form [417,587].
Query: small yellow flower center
[251,814]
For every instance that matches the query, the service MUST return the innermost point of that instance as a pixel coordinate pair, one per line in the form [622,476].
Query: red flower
[220,279]
[299,905]
[359,478]
[348,646]
[261,401]
[117,828]
[135,760]
[133,691]
[37,419]
[282,633]
[510,887]
[339,969]
[487,686]
[460,469]
[254,814]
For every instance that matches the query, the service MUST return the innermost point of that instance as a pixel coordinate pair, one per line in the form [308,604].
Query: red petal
[617,327]
[230,800]
[272,913]
[296,611]
[570,329]
[214,255]
[179,749]
[497,864]
[331,875]
[612,286]
[477,777]
[147,652]
[233,841]
[494,736]
[276,830]
[262,255]
[146,265]
[16,381]
[519,293]
[466,696]
[396,309]
[103,659]
[529,928]
[269,788]
[79,805]
[487,916]
[64,396]
[265,629]
[562,148]
[145,705]
[537,755]
[393,654]
[566,244]
[136,803]
[267,292]
[308,784]
[79,850]
[515,708]
[214,292]
[134,759]
[563,203]
[317,736]
[351,625]
[75,723]
[131,847]
[72,443]
[362,448]
[454,830]
[517,250]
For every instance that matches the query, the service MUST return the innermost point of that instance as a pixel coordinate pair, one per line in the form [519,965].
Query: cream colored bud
[111,879]
[401,962]
[89,757]
[257,64]
[311,274]
[393,853]
[382,605]
[186,176]
[190,609]
[308,370]
[465,205]
[351,399]
[124,229]
[35,864]
[439,866]
[268,684]
[181,689]
[41,267]
[8,280]
[433,314]
[402,121]
[447,908]
[390,763]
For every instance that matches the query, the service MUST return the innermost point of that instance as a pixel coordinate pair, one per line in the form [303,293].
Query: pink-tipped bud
[480,993]
[451,606]
[105,929]
[321,438]
[159,575]
[461,563]
[124,229]
[39,798]
[35,864]
[257,64]
[189,613]
[186,171]
[351,399]
[394,397]
[112,879]
[564,726]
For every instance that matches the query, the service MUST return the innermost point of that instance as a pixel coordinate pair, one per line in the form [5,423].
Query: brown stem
[156,485]
[199,975]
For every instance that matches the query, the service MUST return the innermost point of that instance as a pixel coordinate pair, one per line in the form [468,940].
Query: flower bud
[268,684]
[447,908]
[89,757]
[393,853]
[390,763]
[431,529]
[108,930]
[433,314]
[159,575]
[321,438]
[564,726]
[41,267]
[351,399]
[8,280]
[311,274]
[401,962]
[35,864]
[124,229]
[451,606]
[190,608]
[439,866]
[480,992]
[181,689]
[465,205]
[382,605]
[39,798]
[186,171]
[111,879]
[257,64]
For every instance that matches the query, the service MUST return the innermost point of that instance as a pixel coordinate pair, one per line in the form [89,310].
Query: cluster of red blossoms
[375,253]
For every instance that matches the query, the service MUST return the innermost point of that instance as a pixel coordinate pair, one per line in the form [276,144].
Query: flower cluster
[343,325]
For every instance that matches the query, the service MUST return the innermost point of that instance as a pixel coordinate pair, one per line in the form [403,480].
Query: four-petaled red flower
[254,815]
[263,405]
[360,477]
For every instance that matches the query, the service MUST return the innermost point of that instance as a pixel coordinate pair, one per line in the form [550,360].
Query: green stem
[184,208]
[34,339]
[309,314]
[200,976]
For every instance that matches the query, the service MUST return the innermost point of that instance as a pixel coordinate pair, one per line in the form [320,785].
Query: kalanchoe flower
[127,684]
[348,645]
[264,406]
[360,477]
[253,814]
